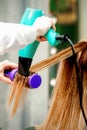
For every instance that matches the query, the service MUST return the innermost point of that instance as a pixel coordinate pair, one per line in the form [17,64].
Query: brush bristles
[16,92]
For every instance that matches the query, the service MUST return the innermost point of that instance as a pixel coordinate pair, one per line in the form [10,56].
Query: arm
[16,36]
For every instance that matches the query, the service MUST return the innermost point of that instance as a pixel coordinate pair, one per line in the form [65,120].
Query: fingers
[53,26]
[51,22]
[8,65]
[43,24]
[5,79]
[54,21]
[4,66]
[41,39]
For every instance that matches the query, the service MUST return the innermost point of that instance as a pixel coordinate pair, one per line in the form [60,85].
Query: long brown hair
[64,112]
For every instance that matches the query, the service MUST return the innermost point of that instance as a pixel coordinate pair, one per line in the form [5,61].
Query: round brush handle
[10,73]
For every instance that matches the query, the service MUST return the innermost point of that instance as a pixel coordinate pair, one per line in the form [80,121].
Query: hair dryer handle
[51,37]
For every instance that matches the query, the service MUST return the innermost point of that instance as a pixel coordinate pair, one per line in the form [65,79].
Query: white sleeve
[15,36]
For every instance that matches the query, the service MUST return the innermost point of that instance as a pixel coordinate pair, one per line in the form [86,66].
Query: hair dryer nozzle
[24,65]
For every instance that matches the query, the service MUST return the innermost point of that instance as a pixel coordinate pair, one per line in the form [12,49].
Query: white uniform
[15,36]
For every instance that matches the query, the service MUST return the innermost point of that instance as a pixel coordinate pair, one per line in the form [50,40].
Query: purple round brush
[34,80]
